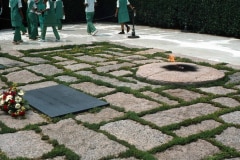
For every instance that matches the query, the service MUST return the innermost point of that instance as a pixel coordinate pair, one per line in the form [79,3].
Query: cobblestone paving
[143,121]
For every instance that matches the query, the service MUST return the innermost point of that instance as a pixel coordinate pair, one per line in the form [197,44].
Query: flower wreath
[12,102]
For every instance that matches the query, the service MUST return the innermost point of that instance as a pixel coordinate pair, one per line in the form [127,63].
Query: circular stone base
[178,73]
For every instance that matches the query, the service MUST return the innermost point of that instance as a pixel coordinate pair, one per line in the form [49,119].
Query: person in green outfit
[40,7]
[90,10]
[50,20]
[33,19]
[122,14]
[16,19]
[60,13]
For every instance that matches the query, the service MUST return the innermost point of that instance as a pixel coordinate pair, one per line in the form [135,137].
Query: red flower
[12,101]
[5,107]
[14,115]
[21,113]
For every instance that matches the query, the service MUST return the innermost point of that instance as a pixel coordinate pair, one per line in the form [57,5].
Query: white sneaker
[41,40]
[94,33]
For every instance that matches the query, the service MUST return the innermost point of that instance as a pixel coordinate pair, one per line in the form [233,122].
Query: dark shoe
[16,43]
[33,39]
[128,29]
[121,32]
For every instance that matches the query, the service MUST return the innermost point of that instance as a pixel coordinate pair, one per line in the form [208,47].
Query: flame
[171,58]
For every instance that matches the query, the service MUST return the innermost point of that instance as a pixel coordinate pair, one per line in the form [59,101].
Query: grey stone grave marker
[60,100]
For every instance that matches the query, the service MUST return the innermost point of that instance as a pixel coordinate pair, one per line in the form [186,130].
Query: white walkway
[208,47]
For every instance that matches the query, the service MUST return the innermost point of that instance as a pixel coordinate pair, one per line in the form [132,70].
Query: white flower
[18,99]
[9,97]
[17,106]
[1,102]
[21,92]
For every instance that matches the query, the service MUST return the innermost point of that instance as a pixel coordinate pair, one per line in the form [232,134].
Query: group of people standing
[121,12]
[48,13]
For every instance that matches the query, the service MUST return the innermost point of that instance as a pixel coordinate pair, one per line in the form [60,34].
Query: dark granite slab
[61,100]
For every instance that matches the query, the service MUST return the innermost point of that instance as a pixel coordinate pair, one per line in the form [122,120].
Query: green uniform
[59,13]
[123,15]
[50,19]
[90,11]
[16,19]
[40,7]
[33,19]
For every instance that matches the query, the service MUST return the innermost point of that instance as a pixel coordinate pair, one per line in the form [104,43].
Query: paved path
[144,120]
[208,47]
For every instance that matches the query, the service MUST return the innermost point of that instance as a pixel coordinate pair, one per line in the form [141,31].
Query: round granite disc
[178,73]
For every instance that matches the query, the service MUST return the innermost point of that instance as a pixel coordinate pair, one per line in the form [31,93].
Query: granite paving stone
[218,90]
[78,54]
[57,158]
[141,136]
[36,60]
[107,63]
[91,59]
[133,58]
[67,78]
[114,67]
[238,86]
[119,54]
[105,114]
[184,94]
[131,158]
[229,102]
[233,117]
[141,84]
[23,76]
[177,115]
[197,128]
[24,144]
[130,102]
[194,151]
[30,118]
[66,62]
[105,55]
[79,66]
[92,88]
[38,85]
[7,70]
[120,73]
[160,98]
[45,69]
[234,78]
[11,63]
[86,143]
[58,58]
[230,137]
